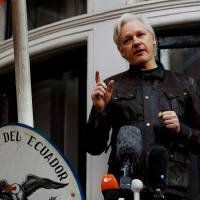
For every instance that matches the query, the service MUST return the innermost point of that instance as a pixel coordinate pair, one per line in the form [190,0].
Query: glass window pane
[186,60]
[45,12]
[40,13]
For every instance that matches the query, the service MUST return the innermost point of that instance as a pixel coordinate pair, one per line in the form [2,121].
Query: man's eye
[127,40]
[141,34]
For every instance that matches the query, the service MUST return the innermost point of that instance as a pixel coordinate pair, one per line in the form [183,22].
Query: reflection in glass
[186,60]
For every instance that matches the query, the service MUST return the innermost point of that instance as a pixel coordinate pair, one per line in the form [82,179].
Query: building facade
[68,41]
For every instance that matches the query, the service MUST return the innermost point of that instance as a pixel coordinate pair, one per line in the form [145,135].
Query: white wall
[107,59]
[104,5]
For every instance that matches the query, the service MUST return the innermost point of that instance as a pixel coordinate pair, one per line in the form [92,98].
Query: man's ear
[154,40]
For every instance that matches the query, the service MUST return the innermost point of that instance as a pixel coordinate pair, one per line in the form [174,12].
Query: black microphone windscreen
[129,141]
[158,167]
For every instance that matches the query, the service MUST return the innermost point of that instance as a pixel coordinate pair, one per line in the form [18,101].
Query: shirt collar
[157,73]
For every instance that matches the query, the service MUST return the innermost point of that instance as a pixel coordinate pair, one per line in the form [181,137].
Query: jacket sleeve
[190,132]
[97,132]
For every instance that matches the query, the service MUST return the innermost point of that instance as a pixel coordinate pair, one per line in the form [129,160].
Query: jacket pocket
[125,106]
[118,96]
[177,101]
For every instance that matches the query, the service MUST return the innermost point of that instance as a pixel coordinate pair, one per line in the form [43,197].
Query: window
[43,12]
[59,101]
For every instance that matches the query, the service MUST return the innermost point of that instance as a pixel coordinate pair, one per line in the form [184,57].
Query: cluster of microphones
[129,149]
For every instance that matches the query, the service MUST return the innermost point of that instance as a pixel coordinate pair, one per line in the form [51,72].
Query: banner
[32,168]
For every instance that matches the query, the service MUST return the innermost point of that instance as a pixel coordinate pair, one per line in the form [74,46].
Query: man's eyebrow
[128,35]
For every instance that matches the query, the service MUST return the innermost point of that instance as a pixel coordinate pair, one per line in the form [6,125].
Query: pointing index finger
[97,77]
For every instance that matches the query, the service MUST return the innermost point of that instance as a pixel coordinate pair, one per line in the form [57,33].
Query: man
[164,106]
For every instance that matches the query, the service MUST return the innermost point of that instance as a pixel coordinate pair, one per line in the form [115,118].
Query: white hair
[124,19]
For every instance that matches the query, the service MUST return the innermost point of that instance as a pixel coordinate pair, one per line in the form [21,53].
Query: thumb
[160,115]
[110,86]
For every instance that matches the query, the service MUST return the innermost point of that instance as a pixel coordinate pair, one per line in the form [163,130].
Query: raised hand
[102,93]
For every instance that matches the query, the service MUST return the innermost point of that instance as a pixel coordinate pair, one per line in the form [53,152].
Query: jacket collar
[157,73]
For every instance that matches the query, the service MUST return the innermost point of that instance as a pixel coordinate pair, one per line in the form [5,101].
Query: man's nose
[135,41]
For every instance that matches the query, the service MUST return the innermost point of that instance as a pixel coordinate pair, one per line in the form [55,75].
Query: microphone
[109,182]
[109,187]
[128,150]
[137,186]
[158,170]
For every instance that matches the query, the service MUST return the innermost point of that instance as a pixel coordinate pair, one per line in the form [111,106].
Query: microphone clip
[125,182]
[158,194]
[126,168]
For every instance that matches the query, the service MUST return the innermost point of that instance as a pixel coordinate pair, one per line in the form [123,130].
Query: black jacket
[137,99]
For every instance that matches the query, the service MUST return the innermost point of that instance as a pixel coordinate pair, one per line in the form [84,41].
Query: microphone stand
[126,183]
[158,194]
[125,180]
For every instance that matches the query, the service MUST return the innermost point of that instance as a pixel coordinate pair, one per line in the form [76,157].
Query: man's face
[136,44]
